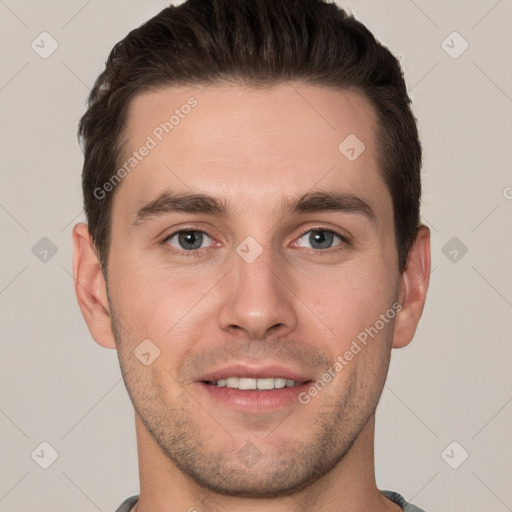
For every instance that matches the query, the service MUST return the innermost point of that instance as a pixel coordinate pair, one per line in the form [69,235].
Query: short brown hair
[259,43]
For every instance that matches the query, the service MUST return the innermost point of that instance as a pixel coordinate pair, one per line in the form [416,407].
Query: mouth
[254,390]
[255,384]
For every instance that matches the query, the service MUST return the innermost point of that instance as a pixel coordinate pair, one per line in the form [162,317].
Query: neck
[349,487]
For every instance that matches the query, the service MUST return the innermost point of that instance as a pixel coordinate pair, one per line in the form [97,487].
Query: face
[269,276]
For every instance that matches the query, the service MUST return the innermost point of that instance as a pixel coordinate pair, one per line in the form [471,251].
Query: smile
[258,384]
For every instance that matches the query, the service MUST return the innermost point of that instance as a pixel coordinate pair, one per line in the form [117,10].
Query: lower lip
[253,400]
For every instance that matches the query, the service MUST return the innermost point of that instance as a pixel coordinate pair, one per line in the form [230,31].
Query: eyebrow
[196,203]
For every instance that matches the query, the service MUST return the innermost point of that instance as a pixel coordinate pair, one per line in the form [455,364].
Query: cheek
[163,306]
[350,298]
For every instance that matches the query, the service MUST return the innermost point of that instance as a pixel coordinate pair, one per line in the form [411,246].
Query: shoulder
[400,500]
[127,505]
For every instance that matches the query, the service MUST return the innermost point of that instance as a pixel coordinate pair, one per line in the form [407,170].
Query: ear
[413,289]
[90,287]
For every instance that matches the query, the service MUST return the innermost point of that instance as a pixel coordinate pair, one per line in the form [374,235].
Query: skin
[297,305]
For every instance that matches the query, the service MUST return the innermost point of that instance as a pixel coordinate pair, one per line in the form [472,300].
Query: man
[253,251]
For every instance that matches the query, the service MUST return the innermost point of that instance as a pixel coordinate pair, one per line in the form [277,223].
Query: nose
[257,298]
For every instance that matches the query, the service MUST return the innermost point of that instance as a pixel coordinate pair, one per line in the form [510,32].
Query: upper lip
[254,372]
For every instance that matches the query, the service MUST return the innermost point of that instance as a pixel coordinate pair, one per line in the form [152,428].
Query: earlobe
[90,287]
[413,289]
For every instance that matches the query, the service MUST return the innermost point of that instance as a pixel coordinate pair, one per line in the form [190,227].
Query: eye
[190,240]
[320,239]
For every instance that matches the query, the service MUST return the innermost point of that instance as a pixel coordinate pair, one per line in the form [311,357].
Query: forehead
[249,145]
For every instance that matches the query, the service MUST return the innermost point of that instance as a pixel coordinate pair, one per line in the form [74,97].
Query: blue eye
[321,239]
[187,240]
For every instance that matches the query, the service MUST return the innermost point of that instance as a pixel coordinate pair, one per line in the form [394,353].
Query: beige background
[453,383]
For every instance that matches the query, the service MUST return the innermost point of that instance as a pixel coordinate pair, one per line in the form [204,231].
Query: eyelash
[193,253]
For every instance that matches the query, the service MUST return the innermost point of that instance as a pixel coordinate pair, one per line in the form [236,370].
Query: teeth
[232,382]
[245,383]
[265,383]
[280,383]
